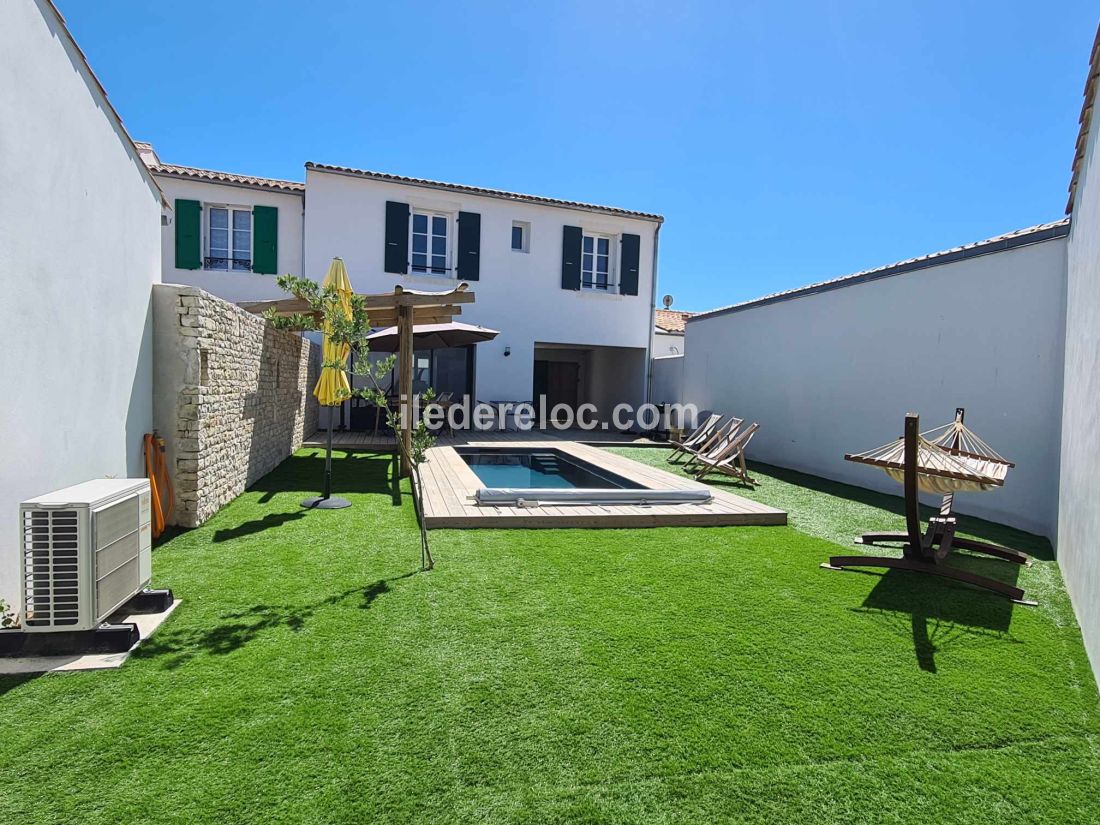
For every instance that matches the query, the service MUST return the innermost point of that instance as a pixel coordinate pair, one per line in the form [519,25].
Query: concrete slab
[147,624]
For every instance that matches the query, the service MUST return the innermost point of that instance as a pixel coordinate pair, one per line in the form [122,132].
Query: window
[444,370]
[596,262]
[429,249]
[520,234]
[229,238]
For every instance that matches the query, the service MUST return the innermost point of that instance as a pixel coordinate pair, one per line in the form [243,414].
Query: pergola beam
[388,318]
[386,302]
[403,308]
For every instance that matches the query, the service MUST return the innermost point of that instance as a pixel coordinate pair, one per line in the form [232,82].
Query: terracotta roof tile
[478,190]
[193,173]
[1091,82]
[671,320]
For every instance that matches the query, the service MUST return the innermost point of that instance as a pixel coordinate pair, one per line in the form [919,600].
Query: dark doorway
[559,382]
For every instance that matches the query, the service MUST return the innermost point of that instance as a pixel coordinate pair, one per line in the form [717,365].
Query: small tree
[327,312]
[7,617]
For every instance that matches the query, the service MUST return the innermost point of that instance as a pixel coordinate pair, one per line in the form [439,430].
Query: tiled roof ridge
[480,190]
[225,177]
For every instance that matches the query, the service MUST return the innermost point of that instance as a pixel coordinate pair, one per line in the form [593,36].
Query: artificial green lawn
[662,675]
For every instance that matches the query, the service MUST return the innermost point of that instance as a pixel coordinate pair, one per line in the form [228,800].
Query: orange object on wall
[160,483]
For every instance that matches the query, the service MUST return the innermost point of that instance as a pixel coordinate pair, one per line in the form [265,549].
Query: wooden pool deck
[450,485]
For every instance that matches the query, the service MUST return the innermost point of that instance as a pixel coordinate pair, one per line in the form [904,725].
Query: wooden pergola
[402,308]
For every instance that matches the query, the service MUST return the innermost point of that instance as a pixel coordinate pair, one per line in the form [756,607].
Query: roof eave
[112,111]
[515,197]
[1000,243]
[1092,80]
[268,185]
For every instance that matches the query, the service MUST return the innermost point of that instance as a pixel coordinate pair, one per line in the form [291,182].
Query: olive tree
[327,314]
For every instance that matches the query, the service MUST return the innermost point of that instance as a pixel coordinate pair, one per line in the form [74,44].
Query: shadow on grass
[303,474]
[1034,545]
[8,683]
[239,627]
[1029,543]
[353,472]
[256,526]
[170,532]
[938,614]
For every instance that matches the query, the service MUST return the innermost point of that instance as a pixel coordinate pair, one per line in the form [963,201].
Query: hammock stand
[946,460]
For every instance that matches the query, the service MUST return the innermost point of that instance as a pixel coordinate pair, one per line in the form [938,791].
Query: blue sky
[784,142]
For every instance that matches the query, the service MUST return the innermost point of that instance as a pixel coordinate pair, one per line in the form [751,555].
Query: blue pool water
[538,470]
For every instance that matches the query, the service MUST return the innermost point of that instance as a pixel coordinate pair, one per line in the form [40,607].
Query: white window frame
[452,237]
[231,209]
[525,229]
[612,287]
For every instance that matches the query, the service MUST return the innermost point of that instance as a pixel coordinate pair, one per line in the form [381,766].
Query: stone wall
[232,397]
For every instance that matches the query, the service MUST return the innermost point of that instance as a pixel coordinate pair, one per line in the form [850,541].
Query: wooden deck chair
[696,438]
[947,460]
[719,440]
[730,460]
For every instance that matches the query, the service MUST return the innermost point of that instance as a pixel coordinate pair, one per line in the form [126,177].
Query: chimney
[148,153]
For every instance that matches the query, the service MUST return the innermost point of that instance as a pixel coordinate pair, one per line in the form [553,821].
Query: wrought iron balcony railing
[238,264]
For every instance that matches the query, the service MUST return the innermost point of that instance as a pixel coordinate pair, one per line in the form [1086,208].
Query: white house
[228,234]
[569,285]
[79,253]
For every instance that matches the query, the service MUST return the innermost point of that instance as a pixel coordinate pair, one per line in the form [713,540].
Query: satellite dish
[667,301]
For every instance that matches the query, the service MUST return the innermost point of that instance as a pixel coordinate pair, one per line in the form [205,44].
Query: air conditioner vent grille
[51,567]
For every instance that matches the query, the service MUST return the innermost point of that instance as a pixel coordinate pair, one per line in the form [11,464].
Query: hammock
[946,460]
[950,459]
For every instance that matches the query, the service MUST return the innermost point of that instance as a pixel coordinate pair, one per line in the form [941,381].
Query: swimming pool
[532,477]
[540,469]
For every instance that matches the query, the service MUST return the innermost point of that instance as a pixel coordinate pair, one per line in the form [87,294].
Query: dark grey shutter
[469,246]
[571,257]
[628,267]
[397,238]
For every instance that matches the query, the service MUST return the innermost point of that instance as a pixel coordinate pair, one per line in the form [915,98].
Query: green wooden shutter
[265,239]
[628,264]
[469,246]
[397,238]
[188,234]
[571,257]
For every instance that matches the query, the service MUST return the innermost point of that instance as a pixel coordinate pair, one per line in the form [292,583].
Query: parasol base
[323,503]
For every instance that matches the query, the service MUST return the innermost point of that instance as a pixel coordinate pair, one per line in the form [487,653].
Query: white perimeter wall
[1079,511]
[667,344]
[519,293]
[79,251]
[233,286]
[667,386]
[836,372]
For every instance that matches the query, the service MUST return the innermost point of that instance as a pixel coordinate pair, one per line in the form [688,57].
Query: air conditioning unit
[86,550]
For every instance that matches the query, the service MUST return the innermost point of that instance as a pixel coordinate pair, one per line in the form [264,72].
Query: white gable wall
[1079,513]
[835,372]
[79,252]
